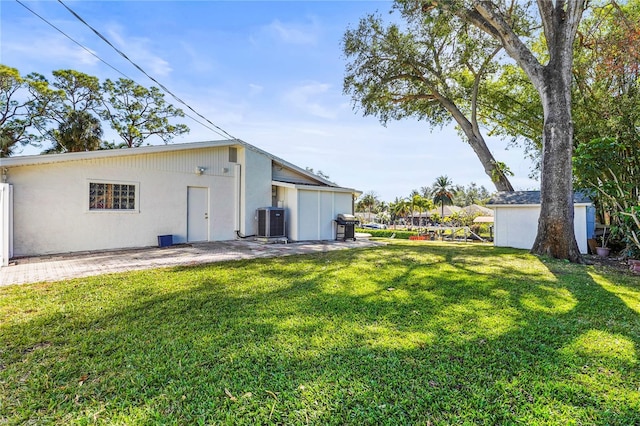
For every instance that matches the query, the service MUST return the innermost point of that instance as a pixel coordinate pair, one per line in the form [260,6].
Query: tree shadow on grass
[397,335]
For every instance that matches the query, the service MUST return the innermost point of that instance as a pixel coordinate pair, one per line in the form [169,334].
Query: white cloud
[305,98]
[294,33]
[56,49]
[198,62]
[255,89]
[139,51]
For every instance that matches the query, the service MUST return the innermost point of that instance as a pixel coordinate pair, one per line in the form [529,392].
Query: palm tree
[382,207]
[442,192]
[417,203]
[426,191]
[368,201]
[81,131]
[381,211]
[8,143]
[413,200]
[399,208]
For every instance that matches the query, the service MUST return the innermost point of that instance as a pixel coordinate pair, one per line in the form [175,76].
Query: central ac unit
[270,222]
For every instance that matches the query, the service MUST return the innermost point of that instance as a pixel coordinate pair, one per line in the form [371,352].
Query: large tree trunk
[489,163]
[560,19]
[556,236]
[477,142]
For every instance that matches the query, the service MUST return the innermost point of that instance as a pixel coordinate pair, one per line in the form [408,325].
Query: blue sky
[267,72]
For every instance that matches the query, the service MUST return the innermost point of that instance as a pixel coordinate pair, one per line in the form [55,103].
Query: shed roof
[529,198]
[483,219]
[477,209]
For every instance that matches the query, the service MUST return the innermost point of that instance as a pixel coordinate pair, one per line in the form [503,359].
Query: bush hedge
[386,233]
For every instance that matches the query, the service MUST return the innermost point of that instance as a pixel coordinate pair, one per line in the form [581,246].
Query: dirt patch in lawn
[611,262]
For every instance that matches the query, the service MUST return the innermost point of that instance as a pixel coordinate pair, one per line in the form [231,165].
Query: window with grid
[112,196]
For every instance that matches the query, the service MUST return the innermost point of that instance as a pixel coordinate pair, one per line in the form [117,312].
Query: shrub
[386,233]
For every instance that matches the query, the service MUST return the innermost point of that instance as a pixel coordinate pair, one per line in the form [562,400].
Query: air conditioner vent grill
[271,222]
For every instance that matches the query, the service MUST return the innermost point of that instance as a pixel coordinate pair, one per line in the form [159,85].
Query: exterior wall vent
[233,154]
[271,222]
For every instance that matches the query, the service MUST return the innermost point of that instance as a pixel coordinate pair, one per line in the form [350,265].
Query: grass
[409,333]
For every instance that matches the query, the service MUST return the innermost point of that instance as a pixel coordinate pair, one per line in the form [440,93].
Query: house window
[112,196]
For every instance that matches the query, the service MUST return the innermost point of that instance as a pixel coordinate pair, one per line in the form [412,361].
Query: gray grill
[347,219]
[345,227]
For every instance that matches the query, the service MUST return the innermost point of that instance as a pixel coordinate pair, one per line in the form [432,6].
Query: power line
[74,41]
[215,128]
[225,133]
[102,60]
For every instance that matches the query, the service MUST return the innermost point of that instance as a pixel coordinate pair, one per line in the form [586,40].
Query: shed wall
[517,226]
[581,227]
[289,201]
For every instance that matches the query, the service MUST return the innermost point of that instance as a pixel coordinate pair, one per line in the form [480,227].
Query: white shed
[204,191]
[516,216]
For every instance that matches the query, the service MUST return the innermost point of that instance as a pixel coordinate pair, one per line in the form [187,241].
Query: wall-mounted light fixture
[225,170]
[200,170]
[4,174]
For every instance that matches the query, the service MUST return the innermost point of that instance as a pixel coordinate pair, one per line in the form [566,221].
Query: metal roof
[30,160]
[529,198]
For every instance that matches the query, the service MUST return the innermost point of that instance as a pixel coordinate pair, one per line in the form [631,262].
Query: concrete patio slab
[75,265]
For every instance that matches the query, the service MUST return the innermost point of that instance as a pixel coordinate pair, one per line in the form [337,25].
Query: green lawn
[411,333]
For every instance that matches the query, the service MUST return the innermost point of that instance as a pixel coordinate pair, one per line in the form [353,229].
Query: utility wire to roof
[215,129]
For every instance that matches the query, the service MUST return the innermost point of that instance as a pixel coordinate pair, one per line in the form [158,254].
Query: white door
[197,214]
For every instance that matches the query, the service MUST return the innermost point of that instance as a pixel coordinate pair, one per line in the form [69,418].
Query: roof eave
[30,160]
[316,187]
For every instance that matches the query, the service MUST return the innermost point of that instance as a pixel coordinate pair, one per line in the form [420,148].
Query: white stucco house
[516,216]
[205,191]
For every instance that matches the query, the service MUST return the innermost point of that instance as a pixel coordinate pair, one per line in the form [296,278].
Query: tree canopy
[67,112]
[607,93]
[431,67]
[81,131]
[137,113]
[23,103]
[610,169]
[443,192]
[607,74]
[367,203]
